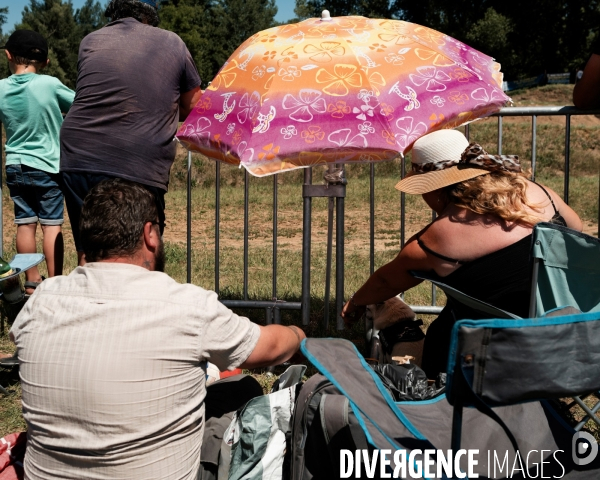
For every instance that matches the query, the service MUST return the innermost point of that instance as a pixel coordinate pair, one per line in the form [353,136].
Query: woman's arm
[389,280]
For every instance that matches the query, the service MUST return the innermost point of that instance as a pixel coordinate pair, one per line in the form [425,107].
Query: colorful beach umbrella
[339,90]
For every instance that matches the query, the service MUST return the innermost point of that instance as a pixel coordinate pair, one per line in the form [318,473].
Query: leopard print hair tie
[474,155]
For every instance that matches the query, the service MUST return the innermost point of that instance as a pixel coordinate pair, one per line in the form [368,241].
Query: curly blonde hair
[499,193]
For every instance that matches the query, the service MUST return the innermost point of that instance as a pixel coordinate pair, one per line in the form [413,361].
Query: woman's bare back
[463,235]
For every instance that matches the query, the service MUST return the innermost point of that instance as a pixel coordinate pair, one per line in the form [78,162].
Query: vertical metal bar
[339,259]
[276,316]
[567,158]
[500,135]
[433,290]
[189,217]
[330,204]
[533,145]
[372,221]
[306,237]
[246,230]
[268,316]
[275,207]
[402,211]
[217,222]
[467,131]
[402,207]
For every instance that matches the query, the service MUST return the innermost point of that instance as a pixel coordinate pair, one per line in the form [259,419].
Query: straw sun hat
[445,157]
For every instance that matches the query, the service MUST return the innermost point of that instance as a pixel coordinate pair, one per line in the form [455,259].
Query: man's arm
[586,93]
[275,345]
[187,101]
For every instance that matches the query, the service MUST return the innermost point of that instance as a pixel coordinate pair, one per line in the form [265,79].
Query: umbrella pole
[189,218]
[339,257]
[306,232]
[329,254]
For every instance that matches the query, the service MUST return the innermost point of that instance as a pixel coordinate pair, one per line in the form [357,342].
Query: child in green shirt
[31,108]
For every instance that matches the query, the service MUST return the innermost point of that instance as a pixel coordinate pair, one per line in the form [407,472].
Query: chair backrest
[502,362]
[566,270]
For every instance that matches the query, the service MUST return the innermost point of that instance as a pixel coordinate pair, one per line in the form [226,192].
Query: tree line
[527,38]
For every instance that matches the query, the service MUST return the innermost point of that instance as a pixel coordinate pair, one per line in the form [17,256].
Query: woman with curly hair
[480,241]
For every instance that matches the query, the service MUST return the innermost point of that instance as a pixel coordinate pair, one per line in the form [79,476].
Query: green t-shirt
[31,108]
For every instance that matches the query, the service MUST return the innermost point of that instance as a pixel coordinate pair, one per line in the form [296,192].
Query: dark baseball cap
[27,44]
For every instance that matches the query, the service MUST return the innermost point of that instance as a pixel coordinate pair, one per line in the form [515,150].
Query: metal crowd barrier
[336,192]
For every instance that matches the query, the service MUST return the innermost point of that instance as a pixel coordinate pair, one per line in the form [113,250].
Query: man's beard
[159,257]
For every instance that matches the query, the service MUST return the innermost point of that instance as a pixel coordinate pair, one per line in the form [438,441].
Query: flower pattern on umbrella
[351,89]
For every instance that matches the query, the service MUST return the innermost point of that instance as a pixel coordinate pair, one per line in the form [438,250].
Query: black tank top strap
[436,254]
[549,197]
[557,218]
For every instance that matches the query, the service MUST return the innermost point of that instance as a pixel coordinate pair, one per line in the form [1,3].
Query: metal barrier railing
[335,192]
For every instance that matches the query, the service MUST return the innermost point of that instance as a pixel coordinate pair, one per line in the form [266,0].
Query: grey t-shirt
[126,108]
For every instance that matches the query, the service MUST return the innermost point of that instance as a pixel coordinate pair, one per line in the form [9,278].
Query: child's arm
[65,97]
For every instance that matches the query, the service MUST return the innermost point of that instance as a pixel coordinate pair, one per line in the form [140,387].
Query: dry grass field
[585,163]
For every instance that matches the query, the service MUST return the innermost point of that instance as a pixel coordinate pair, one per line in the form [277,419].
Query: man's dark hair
[112,220]
[142,12]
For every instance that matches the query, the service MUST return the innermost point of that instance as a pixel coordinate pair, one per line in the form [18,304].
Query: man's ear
[8,55]
[151,236]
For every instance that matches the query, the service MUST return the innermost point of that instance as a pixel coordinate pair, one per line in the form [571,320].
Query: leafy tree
[238,20]
[64,29]
[213,30]
[192,21]
[55,20]
[337,8]
[491,34]
[90,17]
[4,71]
[3,18]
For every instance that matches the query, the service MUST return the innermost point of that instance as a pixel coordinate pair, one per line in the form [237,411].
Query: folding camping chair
[503,362]
[416,426]
[565,272]
[20,263]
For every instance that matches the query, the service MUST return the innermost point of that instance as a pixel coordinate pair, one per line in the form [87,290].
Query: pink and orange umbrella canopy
[339,90]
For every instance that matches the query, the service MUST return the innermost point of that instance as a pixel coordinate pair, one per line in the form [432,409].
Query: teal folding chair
[565,273]
[566,270]
[500,362]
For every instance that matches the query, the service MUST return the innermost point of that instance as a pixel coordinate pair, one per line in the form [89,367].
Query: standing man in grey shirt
[113,356]
[135,82]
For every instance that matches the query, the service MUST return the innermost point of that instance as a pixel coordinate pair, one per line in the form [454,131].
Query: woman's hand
[351,312]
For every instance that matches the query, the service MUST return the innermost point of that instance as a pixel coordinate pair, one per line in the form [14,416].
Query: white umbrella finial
[325,16]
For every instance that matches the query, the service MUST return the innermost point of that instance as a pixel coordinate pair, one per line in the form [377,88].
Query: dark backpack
[323,424]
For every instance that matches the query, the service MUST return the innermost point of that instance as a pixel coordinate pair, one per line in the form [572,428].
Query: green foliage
[3,18]
[213,30]
[491,34]
[527,38]
[192,21]
[64,29]
[366,8]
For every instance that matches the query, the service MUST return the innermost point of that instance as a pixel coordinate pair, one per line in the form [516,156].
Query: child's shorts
[37,195]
